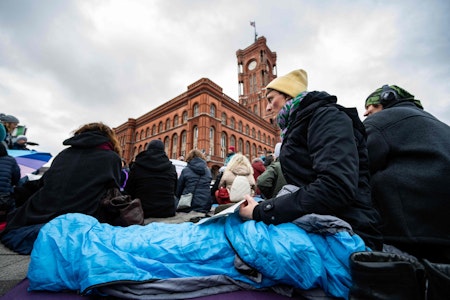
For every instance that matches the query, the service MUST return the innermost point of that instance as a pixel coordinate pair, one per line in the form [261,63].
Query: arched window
[232,123]
[174,146]
[136,137]
[185,117]
[254,153]
[259,135]
[142,135]
[196,109]
[247,130]
[167,124]
[224,118]
[212,110]
[264,137]
[247,148]
[253,133]
[241,146]
[212,133]
[240,126]
[140,149]
[223,145]
[232,141]
[154,130]
[147,132]
[255,110]
[175,121]
[161,127]
[195,138]
[166,144]
[183,143]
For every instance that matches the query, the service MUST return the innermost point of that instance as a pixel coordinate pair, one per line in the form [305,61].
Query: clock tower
[256,68]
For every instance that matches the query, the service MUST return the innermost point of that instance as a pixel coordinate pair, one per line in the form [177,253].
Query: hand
[247,207]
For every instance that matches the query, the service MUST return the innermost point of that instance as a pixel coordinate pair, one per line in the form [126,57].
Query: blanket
[76,252]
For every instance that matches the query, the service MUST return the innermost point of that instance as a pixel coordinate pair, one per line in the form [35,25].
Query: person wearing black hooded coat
[153,179]
[196,179]
[76,181]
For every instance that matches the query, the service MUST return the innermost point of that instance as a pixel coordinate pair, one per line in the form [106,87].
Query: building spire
[253,23]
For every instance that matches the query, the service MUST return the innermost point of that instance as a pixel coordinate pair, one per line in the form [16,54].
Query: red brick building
[205,118]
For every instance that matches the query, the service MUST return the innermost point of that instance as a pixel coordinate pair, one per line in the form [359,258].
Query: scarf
[284,117]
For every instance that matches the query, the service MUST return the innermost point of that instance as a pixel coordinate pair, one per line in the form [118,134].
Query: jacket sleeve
[15,175]
[266,181]
[334,154]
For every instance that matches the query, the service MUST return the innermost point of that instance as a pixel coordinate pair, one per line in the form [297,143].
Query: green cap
[374,98]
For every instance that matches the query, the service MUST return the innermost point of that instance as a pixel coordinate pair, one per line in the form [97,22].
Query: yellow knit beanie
[291,84]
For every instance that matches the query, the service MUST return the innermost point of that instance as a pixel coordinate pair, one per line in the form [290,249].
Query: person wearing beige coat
[238,165]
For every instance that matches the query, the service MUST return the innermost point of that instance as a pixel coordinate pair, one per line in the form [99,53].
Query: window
[247,130]
[247,148]
[154,129]
[253,133]
[212,133]
[142,135]
[232,123]
[254,151]
[167,124]
[166,144]
[224,118]
[259,135]
[241,146]
[175,121]
[232,141]
[196,109]
[223,145]
[183,143]
[161,127]
[240,126]
[195,138]
[136,138]
[185,117]
[212,110]
[147,132]
[174,146]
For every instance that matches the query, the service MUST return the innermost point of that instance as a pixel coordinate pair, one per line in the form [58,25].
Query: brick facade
[205,118]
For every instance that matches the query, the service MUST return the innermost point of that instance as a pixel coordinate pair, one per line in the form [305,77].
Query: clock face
[252,65]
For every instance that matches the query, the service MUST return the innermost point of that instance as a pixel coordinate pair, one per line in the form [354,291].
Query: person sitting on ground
[20,143]
[196,179]
[272,180]
[10,122]
[258,169]
[9,177]
[409,162]
[231,153]
[153,179]
[75,183]
[239,166]
[324,154]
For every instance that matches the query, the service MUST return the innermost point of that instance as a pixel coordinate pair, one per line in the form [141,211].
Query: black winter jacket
[9,171]
[78,177]
[153,179]
[409,151]
[324,153]
[196,176]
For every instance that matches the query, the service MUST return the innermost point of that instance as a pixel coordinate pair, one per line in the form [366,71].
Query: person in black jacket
[409,156]
[196,179]
[323,153]
[9,177]
[75,182]
[153,179]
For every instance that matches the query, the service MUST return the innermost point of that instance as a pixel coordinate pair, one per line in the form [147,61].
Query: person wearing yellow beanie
[290,84]
[323,153]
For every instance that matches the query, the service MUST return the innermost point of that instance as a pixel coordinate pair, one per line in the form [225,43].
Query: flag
[252,24]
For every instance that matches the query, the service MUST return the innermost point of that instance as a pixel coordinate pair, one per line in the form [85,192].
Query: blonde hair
[239,159]
[195,153]
[105,130]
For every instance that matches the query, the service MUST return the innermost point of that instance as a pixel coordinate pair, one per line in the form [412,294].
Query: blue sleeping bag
[76,252]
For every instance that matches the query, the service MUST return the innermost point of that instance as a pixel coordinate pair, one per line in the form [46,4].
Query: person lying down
[76,252]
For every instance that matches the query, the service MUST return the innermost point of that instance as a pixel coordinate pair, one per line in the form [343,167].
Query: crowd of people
[386,176]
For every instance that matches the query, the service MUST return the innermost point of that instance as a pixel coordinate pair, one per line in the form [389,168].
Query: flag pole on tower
[252,23]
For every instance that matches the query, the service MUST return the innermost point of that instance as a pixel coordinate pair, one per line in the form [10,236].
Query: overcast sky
[67,63]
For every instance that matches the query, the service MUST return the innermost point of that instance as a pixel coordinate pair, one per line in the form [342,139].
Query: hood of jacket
[153,160]
[241,170]
[197,165]
[87,139]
